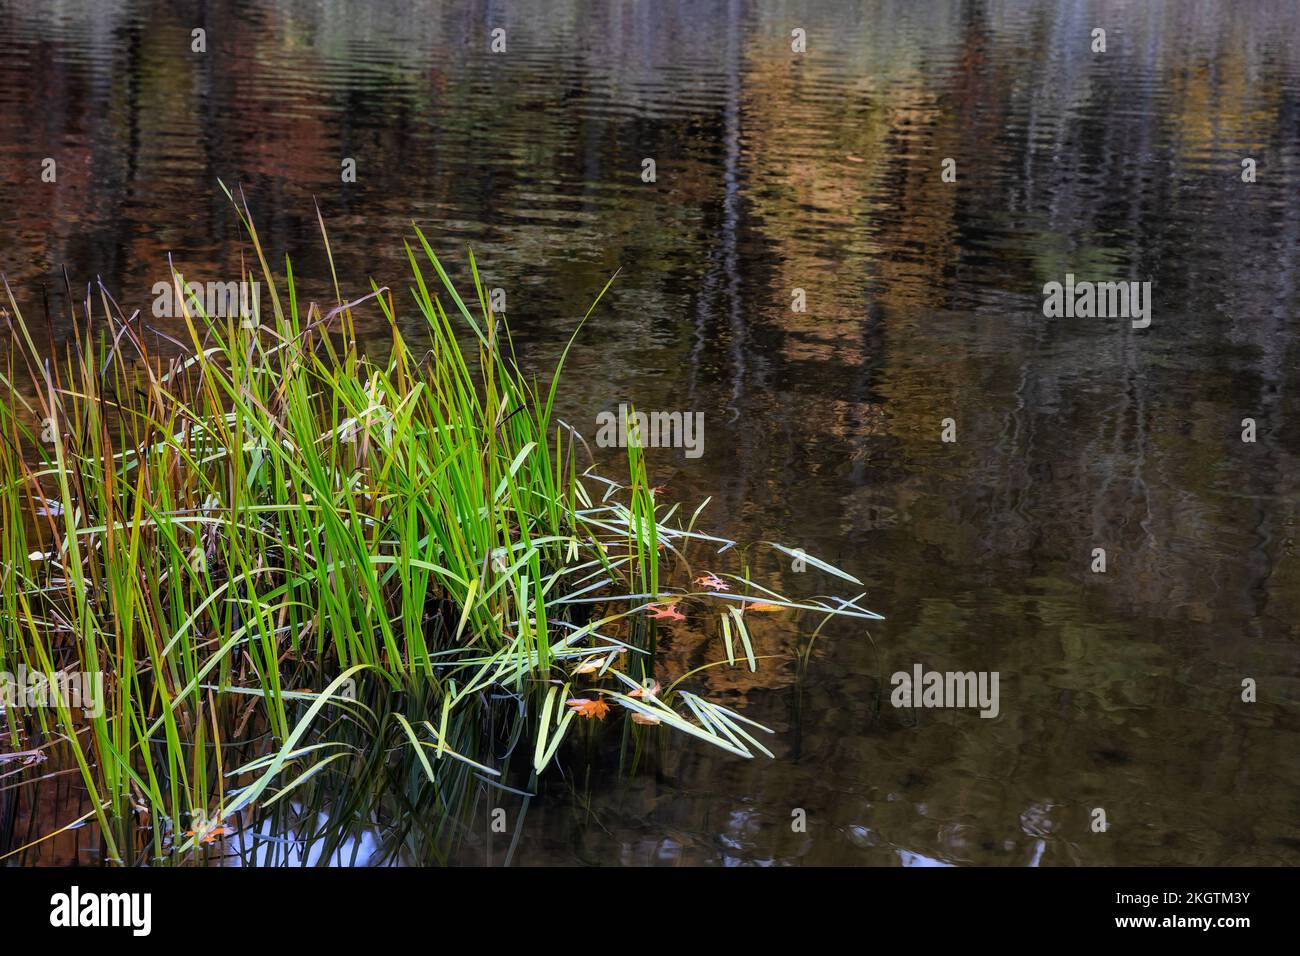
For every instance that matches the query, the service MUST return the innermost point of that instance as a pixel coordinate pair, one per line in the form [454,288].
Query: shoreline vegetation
[317,584]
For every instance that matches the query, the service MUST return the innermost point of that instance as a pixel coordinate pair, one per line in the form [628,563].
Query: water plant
[311,573]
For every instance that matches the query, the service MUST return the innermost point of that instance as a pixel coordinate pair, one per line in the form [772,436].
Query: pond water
[819,171]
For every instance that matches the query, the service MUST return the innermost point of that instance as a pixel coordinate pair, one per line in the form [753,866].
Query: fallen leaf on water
[211,834]
[640,718]
[651,691]
[713,582]
[665,612]
[586,707]
[762,607]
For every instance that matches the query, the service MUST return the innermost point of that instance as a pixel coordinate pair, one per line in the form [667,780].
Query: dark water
[818,171]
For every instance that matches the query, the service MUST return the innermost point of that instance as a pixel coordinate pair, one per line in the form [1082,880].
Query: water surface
[818,171]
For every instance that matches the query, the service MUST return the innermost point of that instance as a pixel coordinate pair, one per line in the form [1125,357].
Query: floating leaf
[712,582]
[665,612]
[586,707]
[651,691]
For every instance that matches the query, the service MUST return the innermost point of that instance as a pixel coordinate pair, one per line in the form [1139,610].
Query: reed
[295,563]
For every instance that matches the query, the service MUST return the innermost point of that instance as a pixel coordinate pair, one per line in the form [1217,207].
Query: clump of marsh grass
[304,570]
